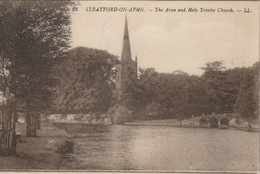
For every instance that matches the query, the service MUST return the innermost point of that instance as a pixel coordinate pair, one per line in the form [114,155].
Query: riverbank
[90,119]
[167,122]
[239,124]
[42,152]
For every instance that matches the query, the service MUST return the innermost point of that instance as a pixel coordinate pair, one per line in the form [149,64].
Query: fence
[8,117]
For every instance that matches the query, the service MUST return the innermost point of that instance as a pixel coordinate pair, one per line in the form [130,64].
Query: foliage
[86,80]
[220,90]
[247,102]
[220,86]
[170,95]
[33,34]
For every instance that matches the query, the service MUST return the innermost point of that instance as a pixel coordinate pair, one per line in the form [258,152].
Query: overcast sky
[175,40]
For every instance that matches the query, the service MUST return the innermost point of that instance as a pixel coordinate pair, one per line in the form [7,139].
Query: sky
[169,41]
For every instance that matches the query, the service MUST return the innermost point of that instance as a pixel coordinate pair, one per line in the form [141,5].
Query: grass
[41,152]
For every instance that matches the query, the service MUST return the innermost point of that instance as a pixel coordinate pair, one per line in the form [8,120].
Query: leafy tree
[232,86]
[175,95]
[34,34]
[179,95]
[149,80]
[247,103]
[217,86]
[86,81]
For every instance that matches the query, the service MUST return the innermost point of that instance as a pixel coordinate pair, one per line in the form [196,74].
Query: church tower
[127,69]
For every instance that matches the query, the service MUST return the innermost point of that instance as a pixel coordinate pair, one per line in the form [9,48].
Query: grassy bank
[194,123]
[42,152]
[166,122]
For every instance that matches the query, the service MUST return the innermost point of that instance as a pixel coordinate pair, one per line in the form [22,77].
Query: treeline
[87,85]
[220,90]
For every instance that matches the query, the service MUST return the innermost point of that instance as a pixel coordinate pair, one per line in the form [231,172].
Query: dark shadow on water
[75,128]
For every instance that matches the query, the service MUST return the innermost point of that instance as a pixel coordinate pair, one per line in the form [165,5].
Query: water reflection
[120,147]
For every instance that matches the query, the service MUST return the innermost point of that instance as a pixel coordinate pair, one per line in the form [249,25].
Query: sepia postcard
[129,86]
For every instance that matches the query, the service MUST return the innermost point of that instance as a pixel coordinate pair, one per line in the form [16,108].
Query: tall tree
[86,80]
[37,33]
[247,103]
[214,81]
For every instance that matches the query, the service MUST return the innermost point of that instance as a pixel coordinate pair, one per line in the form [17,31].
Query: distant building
[127,69]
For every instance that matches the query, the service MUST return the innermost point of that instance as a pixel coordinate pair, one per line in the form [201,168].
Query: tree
[147,92]
[215,83]
[34,34]
[86,81]
[247,102]
[149,80]
[180,95]
[171,95]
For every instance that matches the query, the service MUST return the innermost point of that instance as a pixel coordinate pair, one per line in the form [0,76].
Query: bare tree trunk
[4,130]
[33,124]
[28,120]
[13,124]
[38,125]
[1,127]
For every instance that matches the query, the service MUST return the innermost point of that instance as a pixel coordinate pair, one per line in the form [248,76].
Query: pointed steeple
[126,50]
[136,66]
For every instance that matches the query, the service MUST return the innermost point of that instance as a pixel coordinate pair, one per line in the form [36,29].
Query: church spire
[126,51]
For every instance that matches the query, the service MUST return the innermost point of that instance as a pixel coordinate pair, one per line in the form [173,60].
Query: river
[162,148]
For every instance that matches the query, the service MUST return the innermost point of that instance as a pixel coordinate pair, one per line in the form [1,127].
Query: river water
[121,147]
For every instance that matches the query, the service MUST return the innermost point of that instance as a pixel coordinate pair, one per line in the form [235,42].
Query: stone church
[127,69]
